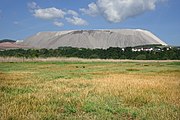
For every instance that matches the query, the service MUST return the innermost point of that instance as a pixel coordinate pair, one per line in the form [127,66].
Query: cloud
[55,14]
[92,10]
[46,13]
[49,13]
[32,6]
[72,12]
[120,10]
[76,21]
[59,24]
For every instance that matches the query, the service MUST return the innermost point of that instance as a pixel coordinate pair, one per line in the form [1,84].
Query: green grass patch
[16,91]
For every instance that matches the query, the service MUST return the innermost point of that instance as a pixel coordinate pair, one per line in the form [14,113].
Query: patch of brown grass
[151,88]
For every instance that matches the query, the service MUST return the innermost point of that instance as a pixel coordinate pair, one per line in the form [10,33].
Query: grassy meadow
[89,91]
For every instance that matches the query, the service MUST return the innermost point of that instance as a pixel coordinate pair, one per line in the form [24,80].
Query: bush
[94,56]
[141,57]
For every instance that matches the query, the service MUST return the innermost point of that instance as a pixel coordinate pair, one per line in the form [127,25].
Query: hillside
[93,39]
[7,40]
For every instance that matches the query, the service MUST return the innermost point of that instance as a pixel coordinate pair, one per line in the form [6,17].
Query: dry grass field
[89,91]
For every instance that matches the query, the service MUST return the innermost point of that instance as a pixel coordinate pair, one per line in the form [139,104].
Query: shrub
[141,57]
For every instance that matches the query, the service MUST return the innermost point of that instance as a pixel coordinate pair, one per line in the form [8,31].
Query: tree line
[110,53]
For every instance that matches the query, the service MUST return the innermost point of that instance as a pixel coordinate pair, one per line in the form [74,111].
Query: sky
[20,19]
